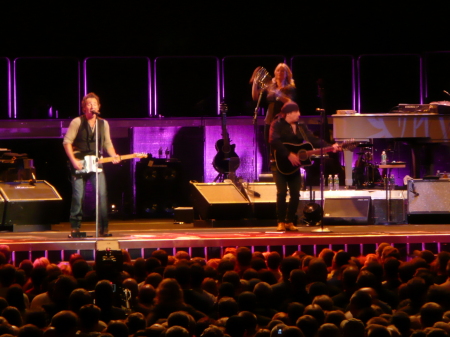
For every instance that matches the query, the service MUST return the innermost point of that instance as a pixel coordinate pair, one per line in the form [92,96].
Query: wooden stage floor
[142,236]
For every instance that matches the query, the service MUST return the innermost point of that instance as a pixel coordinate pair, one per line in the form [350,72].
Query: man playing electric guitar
[81,137]
[286,129]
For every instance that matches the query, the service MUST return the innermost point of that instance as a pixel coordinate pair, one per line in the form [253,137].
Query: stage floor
[209,239]
[142,236]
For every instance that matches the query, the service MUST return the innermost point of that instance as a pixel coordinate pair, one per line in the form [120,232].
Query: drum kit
[365,172]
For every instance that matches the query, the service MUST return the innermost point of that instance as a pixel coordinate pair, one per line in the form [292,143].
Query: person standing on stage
[286,129]
[280,91]
[79,141]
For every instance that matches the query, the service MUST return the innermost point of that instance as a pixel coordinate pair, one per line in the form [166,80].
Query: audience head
[328,330]
[78,298]
[169,293]
[89,316]
[212,331]
[287,265]
[274,260]
[352,327]
[30,330]
[227,307]
[65,323]
[162,256]
[118,329]
[308,325]
[13,316]
[430,313]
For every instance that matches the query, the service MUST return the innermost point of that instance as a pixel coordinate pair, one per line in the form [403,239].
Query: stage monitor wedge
[347,211]
[263,199]
[30,204]
[219,201]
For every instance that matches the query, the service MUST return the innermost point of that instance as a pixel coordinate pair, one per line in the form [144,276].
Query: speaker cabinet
[158,187]
[397,209]
[428,201]
[346,211]
[28,204]
[219,201]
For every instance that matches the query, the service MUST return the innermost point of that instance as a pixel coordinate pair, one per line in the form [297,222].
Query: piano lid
[391,125]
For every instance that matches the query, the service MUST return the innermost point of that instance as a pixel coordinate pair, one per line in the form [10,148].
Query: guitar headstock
[223,108]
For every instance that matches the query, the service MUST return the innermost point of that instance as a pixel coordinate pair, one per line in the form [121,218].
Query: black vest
[85,140]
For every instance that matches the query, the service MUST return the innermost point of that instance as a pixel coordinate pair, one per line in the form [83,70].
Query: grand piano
[427,127]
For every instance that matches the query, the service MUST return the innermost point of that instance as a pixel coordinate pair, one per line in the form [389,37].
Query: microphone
[95,112]
[33,179]
[255,194]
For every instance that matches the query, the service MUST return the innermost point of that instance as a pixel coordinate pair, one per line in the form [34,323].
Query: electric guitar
[226,160]
[304,152]
[90,164]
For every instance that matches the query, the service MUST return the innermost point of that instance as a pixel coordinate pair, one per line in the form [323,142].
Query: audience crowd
[242,294]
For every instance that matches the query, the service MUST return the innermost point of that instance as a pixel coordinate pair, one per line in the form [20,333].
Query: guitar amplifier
[428,201]
[30,204]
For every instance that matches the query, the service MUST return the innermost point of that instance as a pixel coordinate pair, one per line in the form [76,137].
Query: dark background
[155,28]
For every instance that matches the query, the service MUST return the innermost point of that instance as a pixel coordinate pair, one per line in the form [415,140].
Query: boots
[290,226]
[281,227]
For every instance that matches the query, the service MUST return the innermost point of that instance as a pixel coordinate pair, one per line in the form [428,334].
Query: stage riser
[352,246]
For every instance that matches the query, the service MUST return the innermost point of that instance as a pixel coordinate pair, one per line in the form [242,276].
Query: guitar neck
[110,159]
[225,137]
[317,151]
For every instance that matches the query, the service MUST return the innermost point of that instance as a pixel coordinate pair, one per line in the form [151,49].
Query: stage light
[312,214]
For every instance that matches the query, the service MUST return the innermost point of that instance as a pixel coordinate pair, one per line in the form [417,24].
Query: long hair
[289,80]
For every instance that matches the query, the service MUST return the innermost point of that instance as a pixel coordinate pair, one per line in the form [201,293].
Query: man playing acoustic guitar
[79,141]
[284,136]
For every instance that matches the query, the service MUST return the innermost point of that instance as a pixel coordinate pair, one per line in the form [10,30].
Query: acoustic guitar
[304,152]
[226,160]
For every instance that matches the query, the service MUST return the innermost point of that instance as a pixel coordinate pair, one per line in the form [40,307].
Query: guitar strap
[304,136]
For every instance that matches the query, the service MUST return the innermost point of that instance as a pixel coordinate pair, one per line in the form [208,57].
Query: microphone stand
[96,177]
[323,117]
[255,132]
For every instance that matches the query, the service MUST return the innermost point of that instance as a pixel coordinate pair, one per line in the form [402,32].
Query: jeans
[78,191]
[286,211]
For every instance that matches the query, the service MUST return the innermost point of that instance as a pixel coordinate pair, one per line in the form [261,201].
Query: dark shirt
[85,138]
[282,132]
